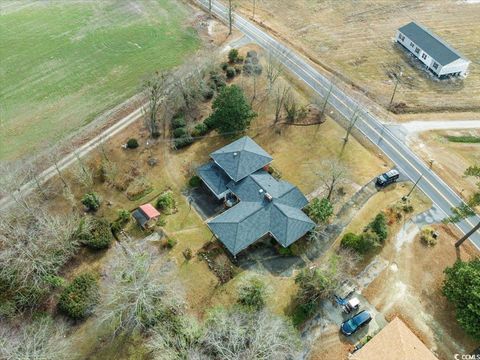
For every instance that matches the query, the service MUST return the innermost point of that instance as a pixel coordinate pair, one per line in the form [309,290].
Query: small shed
[146,216]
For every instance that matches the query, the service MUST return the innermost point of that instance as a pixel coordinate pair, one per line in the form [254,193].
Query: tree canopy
[320,210]
[462,287]
[232,113]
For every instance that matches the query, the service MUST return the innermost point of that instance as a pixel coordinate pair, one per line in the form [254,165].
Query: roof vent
[235,154]
[268,196]
[260,191]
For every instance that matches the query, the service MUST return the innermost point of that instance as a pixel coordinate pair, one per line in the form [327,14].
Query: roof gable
[430,43]
[214,177]
[241,158]
[239,227]
[289,223]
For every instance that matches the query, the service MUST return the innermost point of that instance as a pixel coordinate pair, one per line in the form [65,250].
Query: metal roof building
[266,205]
[439,57]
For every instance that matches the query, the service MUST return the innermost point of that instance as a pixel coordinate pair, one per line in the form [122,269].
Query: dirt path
[419,126]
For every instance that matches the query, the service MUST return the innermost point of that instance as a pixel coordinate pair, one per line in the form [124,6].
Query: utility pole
[413,188]
[254,5]
[467,235]
[210,8]
[351,125]
[230,17]
[397,80]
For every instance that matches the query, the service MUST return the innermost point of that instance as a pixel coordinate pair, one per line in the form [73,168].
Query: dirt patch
[412,289]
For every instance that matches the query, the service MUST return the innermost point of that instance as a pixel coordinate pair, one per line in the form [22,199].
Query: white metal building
[438,56]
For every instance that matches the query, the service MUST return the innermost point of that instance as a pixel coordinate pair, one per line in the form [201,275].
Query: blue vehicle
[356,322]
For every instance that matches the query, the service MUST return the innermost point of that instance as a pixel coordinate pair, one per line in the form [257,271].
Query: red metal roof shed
[149,211]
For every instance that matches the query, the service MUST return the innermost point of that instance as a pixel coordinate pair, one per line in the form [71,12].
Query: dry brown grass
[450,159]
[355,39]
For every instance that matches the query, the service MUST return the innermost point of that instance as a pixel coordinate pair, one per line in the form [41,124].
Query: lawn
[64,63]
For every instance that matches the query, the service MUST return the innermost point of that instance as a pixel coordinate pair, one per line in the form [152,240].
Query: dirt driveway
[410,287]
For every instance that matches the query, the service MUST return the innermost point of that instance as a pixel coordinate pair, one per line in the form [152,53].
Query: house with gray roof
[437,56]
[266,206]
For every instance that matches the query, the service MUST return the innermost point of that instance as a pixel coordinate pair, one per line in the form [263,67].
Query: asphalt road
[368,124]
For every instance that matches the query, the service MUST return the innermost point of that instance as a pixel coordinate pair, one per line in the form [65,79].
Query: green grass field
[65,62]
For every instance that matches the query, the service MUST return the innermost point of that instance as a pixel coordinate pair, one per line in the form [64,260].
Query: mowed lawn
[65,62]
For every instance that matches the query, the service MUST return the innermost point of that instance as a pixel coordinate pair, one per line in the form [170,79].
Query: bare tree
[35,245]
[82,172]
[281,95]
[235,334]
[41,339]
[186,92]
[293,110]
[273,70]
[140,292]
[12,176]
[153,89]
[175,338]
[333,174]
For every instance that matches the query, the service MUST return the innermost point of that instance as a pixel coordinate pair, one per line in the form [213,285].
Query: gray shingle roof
[241,158]
[288,223]
[242,225]
[255,215]
[430,43]
[214,177]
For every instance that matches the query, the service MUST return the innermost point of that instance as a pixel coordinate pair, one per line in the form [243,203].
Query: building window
[412,44]
[435,65]
[417,50]
[424,56]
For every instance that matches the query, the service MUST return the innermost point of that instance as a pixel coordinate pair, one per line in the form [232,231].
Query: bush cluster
[91,201]
[132,143]
[252,294]
[230,72]
[178,121]
[427,236]
[200,129]
[252,64]
[171,242]
[95,233]
[180,132]
[217,80]
[166,202]
[194,181]
[320,210]
[122,220]
[374,234]
[80,297]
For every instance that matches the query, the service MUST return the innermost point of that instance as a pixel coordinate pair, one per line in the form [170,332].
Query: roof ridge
[439,39]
